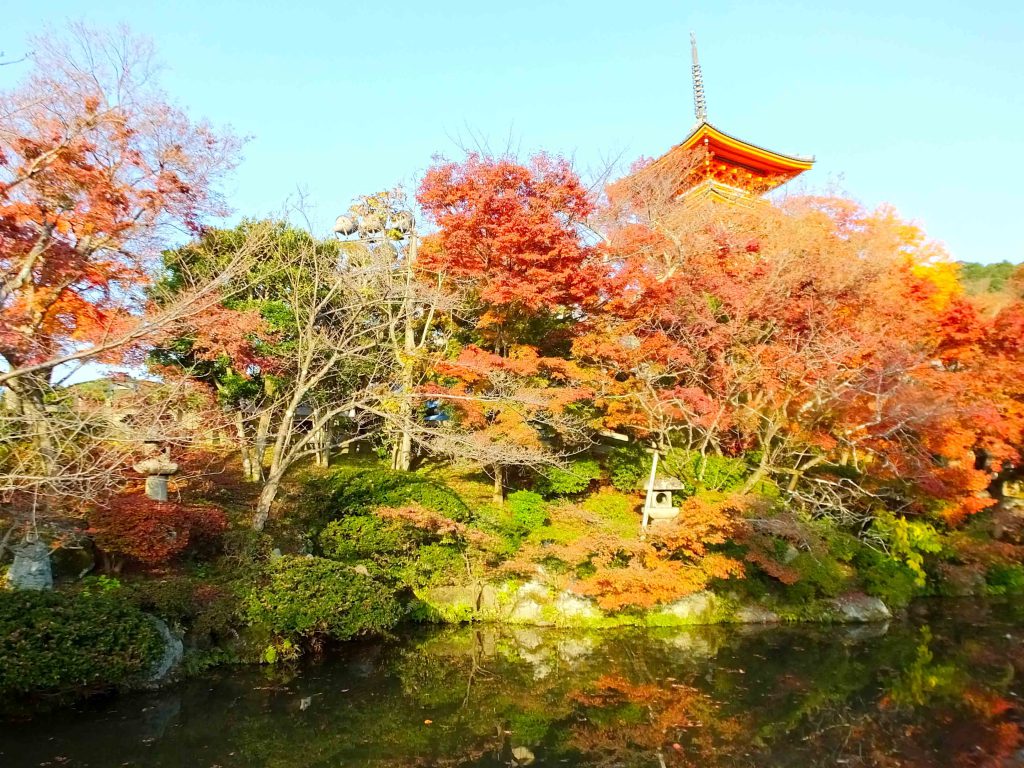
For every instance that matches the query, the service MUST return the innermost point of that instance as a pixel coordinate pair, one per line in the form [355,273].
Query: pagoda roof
[729,161]
[725,145]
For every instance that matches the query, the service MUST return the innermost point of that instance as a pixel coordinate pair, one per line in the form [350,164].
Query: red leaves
[151,532]
[509,229]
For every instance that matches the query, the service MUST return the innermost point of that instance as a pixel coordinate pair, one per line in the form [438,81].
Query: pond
[941,687]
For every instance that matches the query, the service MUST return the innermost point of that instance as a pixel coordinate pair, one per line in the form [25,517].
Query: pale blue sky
[914,103]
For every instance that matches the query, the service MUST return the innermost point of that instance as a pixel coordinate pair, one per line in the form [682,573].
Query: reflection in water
[935,690]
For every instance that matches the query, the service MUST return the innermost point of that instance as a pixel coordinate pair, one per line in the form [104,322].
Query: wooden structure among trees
[710,162]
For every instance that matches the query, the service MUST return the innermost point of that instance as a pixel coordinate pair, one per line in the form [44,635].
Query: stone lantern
[31,566]
[157,468]
[660,505]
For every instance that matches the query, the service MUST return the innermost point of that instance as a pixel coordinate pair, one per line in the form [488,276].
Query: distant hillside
[986,278]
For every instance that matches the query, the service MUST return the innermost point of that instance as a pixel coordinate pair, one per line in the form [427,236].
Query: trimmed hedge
[308,597]
[358,491]
[55,642]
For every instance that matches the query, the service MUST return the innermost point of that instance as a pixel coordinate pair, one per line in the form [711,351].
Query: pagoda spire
[700,106]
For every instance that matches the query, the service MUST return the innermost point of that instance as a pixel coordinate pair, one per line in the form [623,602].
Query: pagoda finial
[700,106]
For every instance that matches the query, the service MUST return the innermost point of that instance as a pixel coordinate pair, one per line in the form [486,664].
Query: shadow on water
[940,688]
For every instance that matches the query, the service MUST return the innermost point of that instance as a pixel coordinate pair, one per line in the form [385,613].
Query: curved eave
[773,160]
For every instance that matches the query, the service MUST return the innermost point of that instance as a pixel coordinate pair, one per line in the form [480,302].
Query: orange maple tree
[509,243]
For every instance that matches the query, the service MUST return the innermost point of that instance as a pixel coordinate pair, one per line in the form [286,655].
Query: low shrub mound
[54,642]
[574,480]
[307,598]
[409,546]
[359,490]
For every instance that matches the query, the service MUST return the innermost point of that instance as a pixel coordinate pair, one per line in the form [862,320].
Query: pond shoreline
[939,682]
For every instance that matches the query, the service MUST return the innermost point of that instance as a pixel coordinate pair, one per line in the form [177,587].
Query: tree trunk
[278,466]
[402,456]
[243,448]
[30,391]
[499,485]
[267,497]
[322,443]
[260,448]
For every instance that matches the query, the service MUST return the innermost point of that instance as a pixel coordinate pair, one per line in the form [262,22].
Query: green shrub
[63,642]
[710,471]
[574,480]
[308,597]
[1005,579]
[202,608]
[362,537]
[246,546]
[820,576]
[909,541]
[890,580]
[432,496]
[618,512]
[436,564]
[395,553]
[628,466]
[528,511]
[359,490]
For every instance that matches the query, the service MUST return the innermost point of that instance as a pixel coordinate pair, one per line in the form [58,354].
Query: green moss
[425,611]
[719,610]
[618,513]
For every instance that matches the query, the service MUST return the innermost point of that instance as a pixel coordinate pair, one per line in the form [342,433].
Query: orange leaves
[642,583]
[229,332]
[702,523]
[678,558]
[95,164]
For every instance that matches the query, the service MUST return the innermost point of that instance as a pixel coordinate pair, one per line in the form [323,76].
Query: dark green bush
[575,479]
[820,577]
[432,496]
[308,597]
[528,511]
[436,564]
[396,553]
[384,548]
[63,642]
[246,546]
[1005,579]
[628,466]
[890,580]
[364,536]
[359,490]
[205,610]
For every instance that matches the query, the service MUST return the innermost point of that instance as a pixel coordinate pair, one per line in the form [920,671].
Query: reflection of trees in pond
[797,697]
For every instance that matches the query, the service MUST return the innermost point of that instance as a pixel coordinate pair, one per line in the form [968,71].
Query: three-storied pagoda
[710,162]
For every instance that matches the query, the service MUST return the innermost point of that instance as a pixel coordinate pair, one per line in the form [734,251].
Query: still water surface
[940,688]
